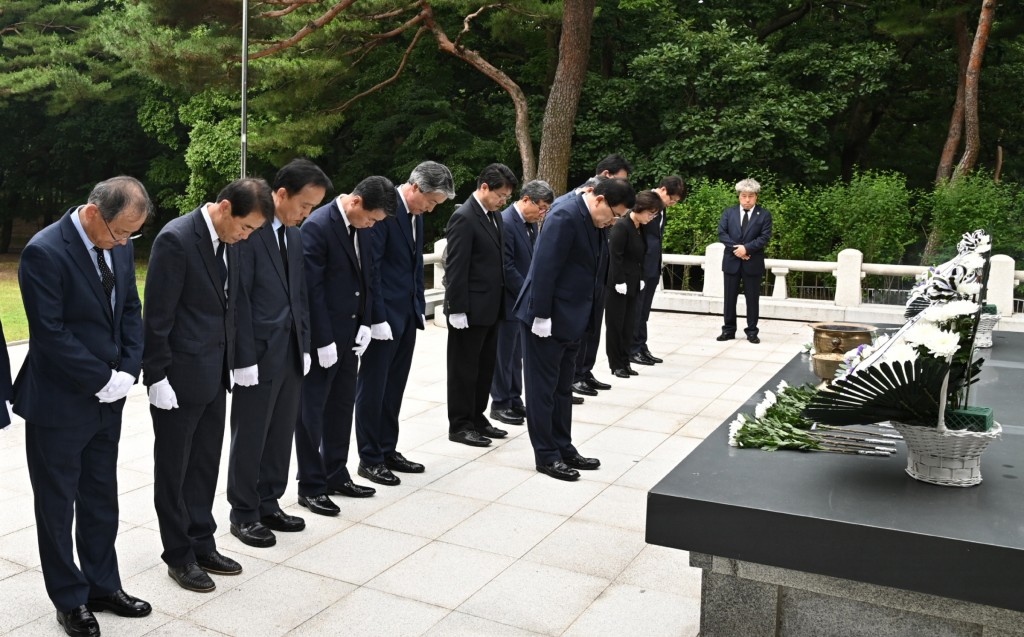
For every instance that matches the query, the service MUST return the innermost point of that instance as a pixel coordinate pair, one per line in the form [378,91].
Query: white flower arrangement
[734,428]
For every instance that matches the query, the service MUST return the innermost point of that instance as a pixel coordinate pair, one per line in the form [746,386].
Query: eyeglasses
[128,236]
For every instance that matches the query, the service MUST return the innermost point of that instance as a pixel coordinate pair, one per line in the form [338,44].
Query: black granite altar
[861,518]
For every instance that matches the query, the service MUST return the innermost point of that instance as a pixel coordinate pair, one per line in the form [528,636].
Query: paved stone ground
[480,544]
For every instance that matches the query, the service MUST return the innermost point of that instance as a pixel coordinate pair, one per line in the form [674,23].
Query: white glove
[307,361]
[247,376]
[363,339]
[643,284]
[116,388]
[328,355]
[541,327]
[620,288]
[459,321]
[381,331]
[162,396]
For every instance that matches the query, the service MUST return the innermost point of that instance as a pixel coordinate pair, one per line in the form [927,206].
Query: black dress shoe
[725,337]
[507,416]
[378,473]
[398,462]
[281,521]
[559,470]
[319,504]
[581,462]
[492,432]
[120,603]
[593,383]
[577,400]
[620,373]
[583,387]
[220,564]
[254,534]
[754,339]
[651,357]
[191,578]
[351,490]
[521,411]
[640,359]
[632,372]
[469,437]
[79,622]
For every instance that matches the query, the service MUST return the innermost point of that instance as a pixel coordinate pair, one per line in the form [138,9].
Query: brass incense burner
[832,340]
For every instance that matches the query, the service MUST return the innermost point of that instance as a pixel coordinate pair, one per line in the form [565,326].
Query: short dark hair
[120,194]
[248,195]
[674,186]
[299,173]
[538,190]
[648,201]
[497,176]
[378,193]
[617,192]
[613,164]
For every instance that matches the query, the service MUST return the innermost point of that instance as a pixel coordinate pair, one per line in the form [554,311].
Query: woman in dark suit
[626,250]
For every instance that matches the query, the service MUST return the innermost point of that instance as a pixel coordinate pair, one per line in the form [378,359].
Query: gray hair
[538,190]
[120,194]
[431,176]
[748,185]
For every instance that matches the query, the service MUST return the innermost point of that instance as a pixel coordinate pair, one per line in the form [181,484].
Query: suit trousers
[586,356]
[188,442]
[324,428]
[645,299]
[262,427]
[752,294]
[73,471]
[380,387]
[620,322]
[507,385]
[548,364]
[471,357]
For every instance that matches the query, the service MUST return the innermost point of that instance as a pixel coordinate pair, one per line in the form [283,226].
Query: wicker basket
[945,457]
[987,322]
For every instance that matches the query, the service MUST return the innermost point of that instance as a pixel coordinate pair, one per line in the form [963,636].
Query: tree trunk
[956,121]
[564,99]
[973,136]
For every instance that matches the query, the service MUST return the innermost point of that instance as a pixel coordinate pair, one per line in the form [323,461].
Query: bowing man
[334,243]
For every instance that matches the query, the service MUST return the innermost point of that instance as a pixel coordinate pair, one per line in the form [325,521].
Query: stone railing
[849,270]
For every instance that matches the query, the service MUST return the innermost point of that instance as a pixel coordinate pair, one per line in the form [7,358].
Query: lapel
[269,241]
[592,233]
[296,267]
[492,231]
[402,216]
[83,259]
[204,244]
[341,234]
[517,227]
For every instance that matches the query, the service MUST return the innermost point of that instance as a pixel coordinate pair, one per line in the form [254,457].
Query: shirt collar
[75,219]
[520,213]
[344,217]
[209,225]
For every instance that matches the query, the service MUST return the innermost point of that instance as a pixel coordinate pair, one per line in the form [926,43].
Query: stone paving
[480,544]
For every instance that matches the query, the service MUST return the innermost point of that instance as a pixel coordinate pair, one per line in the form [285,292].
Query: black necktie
[106,276]
[222,267]
[284,249]
[744,218]
[532,231]
[494,222]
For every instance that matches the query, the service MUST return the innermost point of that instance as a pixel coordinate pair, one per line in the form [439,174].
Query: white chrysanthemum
[899,353]
[760,410]
[969,289]
[769,397]
[972,261]
[942,312]
[783,386]
[734,428]
[944,344]
[962,308]
[881,340]
[921,332]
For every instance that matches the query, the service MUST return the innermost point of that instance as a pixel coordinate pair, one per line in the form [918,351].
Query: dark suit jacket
[190,322]
[75,338]
[338,286]
[653,233]
[271,308]
[563,279]
[6,390]
[396,268]
[473,274]
[626,251]
[755,239]
[518,255]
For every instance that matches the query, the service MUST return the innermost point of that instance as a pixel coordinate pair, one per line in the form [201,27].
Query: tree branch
[292,6]
[469,18]
[301,34]
[398,72]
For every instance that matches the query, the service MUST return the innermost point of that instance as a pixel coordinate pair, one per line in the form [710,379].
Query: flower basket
[986,323]
[948,458]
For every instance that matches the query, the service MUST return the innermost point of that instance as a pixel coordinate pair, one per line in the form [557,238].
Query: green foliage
[976,201]
[692,224]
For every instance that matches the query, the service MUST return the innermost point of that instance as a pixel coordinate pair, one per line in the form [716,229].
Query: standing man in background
[672,190]
[519,222]
[189,352]
[745,230]
[474,303]
[271,357]
[395,250]
[77,279]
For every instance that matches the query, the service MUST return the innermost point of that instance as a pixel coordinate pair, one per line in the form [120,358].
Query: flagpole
[245,81]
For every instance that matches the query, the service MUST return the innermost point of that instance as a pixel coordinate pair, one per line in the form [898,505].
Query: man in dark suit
[395,248]
[474,303]
[77,280]
[271,357]
[556,308]
[6,390]
[189,351]
[519,222]
[334,242]
[584,382]
[671,192]
[745,230]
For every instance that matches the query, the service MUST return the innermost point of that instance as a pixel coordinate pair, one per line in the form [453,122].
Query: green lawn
[12,312]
